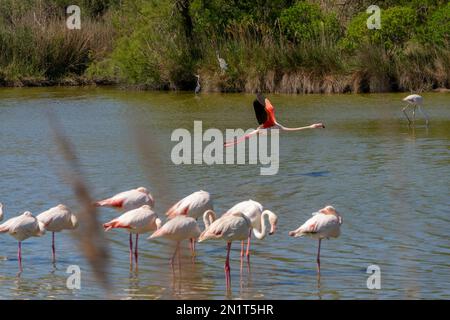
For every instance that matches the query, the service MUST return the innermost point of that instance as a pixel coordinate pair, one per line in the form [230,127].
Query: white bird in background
[23,227]
[1,211]
[178,229]
[254,211]
[193,205]
[416,101]
[230,227]
[222,63]
[198,87]
[128,200]
[57,219]
[326,223]
[141,220]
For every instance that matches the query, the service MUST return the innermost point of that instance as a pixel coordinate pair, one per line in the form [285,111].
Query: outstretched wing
[260,109]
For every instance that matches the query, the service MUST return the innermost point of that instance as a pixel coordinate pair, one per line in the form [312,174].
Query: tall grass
[36,46]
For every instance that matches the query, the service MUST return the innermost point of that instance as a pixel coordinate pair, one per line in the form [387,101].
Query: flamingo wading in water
[193,205]
[265,114]
[326,223]
[21,228]
[178,229]
[416,101]
[57,219]
[229,227]
[254,211]
[128,200]
[141,220]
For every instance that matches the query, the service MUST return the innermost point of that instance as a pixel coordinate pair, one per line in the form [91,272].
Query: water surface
[390,182]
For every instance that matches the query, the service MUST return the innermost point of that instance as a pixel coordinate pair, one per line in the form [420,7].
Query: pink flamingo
[57,219]
[265,114]
[229,227]
[178,229]
[326,223]
[141,220]
[254,211]
[193,205]
[23,227]
[128,200]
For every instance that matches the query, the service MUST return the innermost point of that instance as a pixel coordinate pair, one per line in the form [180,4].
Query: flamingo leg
[248,243]
[424,114]
[414,114]
[240,139]
[19,256]
[406,115]
[175,253]
[136,254]
[227,267]
[53,248]
[318,258]
[131,250]
[242,248]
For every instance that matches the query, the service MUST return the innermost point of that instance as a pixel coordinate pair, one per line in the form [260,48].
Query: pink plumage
[193,205]
[129,200]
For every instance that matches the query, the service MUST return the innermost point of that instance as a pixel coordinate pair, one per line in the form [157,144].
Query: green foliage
[437,29]
[305,22]
[397,27]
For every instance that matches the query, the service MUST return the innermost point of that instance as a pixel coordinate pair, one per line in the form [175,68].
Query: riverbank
[302,47]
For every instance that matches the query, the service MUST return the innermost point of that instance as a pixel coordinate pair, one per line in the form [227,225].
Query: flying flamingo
[57,219]
[128,200]
[254,211]
[178,229]
[265,114]
[229,227]
[23,227]
[193,205]
[416,101]
[141,220]
[326,223]
[1,211]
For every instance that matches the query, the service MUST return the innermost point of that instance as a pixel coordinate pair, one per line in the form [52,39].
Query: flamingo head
[328,210]
[74,221]
[142,189]
[273,220]
[318,125]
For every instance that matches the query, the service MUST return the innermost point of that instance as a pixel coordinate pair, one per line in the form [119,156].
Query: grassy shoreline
[298,46]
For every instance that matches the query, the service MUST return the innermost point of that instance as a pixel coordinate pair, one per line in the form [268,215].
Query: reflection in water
[389,181]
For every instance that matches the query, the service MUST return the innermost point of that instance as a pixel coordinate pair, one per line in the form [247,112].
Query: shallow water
[390,182]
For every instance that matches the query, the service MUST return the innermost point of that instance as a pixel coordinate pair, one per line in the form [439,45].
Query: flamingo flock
[182,219]
[236,224]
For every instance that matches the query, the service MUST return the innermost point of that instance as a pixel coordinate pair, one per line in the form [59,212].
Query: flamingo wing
[260,109]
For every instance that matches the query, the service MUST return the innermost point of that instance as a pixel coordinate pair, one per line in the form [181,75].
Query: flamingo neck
[262,234]
[281,127]
[209,217]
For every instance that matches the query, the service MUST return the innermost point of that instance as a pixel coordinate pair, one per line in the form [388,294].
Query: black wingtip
[261,99]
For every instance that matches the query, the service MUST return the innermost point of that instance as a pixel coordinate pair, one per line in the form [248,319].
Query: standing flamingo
[128,200]
[254,211]
[326,223]
[23,227]
[1,211]
[416,101]
[265,114]
[178,229]
[233,226]
[193,205]
[141,220]
[57,219]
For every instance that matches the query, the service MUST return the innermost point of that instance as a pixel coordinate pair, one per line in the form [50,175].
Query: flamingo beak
[273,228]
